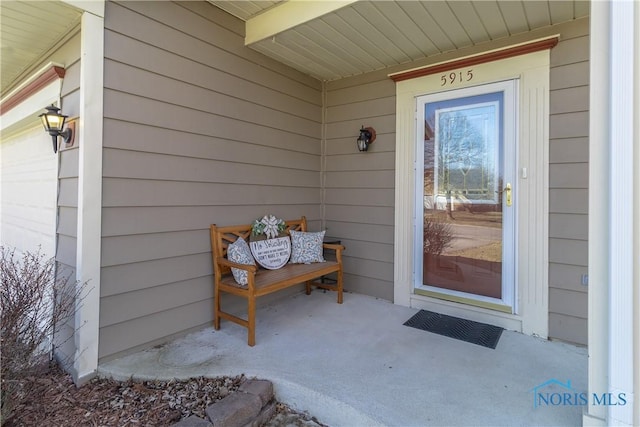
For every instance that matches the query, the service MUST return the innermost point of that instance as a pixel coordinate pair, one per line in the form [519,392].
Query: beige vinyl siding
[198,130]
[359,187]
[568,184]
[68,172]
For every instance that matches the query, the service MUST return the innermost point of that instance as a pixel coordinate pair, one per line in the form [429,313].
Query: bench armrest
[247,267]
[333,246]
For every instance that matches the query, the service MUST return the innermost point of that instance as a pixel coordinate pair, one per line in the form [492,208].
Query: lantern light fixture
[53,123]
[366,137]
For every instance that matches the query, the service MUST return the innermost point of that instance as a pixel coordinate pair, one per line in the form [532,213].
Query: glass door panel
[464,201]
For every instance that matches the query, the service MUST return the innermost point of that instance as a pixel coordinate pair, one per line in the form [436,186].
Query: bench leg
[339,283]
[308,286]
[216,309]
[251,302]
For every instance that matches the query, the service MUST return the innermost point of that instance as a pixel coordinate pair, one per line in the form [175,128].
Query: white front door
[466,195]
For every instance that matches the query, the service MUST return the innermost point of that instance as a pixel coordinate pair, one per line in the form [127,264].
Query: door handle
[507,190]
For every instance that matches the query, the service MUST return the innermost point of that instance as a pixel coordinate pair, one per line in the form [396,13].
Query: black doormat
[454,327]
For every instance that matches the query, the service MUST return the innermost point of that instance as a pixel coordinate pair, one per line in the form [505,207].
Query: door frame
[531,67]
[508,302]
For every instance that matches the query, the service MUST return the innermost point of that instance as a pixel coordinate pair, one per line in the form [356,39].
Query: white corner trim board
[89,232]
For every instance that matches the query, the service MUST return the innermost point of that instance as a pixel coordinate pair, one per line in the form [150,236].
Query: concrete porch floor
[355,364]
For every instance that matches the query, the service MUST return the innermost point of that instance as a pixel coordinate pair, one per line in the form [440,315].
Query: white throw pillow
[239,252]
[306,247]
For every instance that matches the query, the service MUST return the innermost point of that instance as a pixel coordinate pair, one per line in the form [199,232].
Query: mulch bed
[52,399]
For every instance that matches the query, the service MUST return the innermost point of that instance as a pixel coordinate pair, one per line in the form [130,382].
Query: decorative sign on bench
[270,246]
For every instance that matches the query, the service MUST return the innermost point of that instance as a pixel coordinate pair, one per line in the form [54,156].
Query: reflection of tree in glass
[437,235]
[429,156]
[461,149]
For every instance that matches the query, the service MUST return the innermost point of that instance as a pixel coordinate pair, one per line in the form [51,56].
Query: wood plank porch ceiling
[363,36]
[327,39]
[28,30]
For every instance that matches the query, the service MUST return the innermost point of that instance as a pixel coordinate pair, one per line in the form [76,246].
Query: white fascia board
[288,15]
[28,110]
[30,79]
[94,7]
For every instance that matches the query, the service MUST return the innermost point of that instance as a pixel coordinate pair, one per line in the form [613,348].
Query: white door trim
[532,70]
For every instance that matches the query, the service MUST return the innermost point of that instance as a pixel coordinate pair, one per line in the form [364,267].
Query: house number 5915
[456,77]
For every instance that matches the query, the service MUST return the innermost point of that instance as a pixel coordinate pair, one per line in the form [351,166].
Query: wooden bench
[262,281]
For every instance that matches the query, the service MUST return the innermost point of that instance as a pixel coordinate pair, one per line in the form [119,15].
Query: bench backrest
[222,237]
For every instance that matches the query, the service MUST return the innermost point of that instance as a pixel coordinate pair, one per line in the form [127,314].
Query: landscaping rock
[266,414]
[192,421]
[252,405]
[261,388]
[235,410]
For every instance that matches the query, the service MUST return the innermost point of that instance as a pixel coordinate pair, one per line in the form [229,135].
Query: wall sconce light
[367,136]
[53,123]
